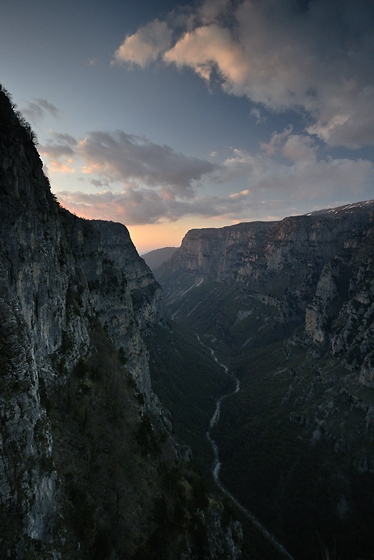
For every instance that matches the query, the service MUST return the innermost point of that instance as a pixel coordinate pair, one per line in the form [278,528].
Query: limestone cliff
[88,468]
[278,262]
[340,319]
[57,273]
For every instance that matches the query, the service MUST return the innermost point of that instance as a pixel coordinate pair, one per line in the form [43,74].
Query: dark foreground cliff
[88,468]
[289,307]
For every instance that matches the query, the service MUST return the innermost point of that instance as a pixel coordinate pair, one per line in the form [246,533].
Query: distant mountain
[156,258]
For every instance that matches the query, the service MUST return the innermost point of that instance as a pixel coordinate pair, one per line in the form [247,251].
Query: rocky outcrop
[119,287]
[316,268]
[57,272]
[156,258]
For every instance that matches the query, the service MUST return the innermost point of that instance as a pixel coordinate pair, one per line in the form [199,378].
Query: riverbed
[217,464]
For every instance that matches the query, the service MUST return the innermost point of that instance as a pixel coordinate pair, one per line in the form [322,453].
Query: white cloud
[298,174]
[291,146]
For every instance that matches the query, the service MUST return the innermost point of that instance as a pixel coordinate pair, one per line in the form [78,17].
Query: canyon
[111,376]
[288,306]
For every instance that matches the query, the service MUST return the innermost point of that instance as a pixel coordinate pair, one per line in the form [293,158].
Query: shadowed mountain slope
[156,258]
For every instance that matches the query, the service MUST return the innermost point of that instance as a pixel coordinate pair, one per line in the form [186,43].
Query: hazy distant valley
[109,383]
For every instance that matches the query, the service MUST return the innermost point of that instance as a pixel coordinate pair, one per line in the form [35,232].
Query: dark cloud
[61,145]
[145,206]
[295,179]
[133,160]
[36,110]
[158,183]
[49,107]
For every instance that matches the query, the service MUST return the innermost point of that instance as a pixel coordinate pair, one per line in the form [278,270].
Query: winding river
[217,464]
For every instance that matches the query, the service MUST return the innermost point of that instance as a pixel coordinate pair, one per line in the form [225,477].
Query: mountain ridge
[157,257]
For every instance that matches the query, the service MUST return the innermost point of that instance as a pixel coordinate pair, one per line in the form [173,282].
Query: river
[217,464]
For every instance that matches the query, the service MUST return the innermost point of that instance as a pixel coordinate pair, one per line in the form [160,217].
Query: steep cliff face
[340,319]
[84,471]
[119,287]
[276,261]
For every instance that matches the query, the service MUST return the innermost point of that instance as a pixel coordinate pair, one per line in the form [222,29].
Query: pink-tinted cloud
[315,56]
[208,48]
[298,176]
[145,45]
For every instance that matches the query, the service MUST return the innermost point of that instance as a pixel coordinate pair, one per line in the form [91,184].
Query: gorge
[107,394]
[289,307]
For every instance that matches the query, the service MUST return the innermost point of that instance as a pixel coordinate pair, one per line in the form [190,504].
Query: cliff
[340,318]
[276,261]
[88,468]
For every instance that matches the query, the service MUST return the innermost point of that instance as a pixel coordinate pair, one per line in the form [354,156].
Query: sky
[167,116]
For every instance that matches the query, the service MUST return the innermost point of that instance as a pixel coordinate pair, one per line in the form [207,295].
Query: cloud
[291,146]
[61,145]
[145,45]
[212,10]
[209,48]
[292,169]
[135,160]
[55,166]
[314,57]
[287,174]
[146,206]
[36,110]
[255,113]
[158,183]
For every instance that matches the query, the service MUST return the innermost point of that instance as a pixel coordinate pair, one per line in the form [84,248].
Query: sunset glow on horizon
[171,116]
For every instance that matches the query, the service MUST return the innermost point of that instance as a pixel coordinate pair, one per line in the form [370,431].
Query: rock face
[340,318]
[80,464]
[56,270]
[277,260]
[289,307]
